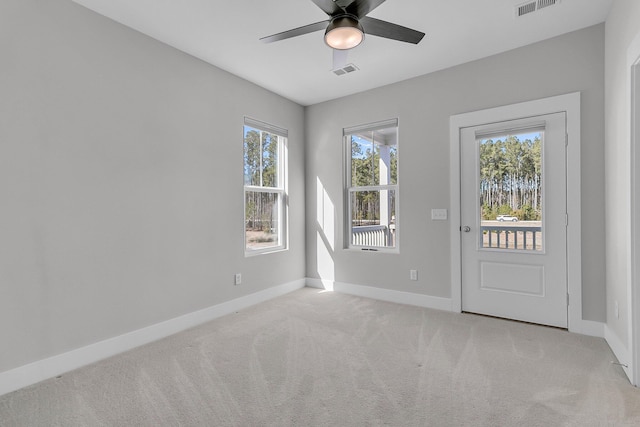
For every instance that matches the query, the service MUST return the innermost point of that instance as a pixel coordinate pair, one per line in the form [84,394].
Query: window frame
[280,190]
[349,188]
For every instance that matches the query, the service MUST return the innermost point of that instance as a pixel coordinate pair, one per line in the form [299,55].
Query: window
[372,185]
[265,183]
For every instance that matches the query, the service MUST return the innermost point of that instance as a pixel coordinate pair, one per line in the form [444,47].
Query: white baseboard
[400,297]
[40,370]
[587,327]
[327,285]
[620,350]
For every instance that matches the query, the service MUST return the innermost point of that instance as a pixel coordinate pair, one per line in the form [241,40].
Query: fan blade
[339,58]
[376,27]
[329,7]
[360,8]
[296,32]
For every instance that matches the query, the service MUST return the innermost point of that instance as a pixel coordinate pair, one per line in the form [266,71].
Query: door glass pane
[373,218]
[511,191]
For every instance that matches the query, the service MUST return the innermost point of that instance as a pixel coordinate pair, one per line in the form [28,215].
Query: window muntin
[372,186]
[264,187]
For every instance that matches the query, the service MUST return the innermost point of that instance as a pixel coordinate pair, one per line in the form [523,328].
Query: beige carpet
[315,358]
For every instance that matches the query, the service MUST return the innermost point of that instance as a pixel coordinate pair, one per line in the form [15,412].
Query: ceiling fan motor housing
[344,32]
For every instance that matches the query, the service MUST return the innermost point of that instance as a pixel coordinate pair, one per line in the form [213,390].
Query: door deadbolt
[466,229]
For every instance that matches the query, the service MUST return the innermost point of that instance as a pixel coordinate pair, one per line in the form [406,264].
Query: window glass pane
[511,192]
[262,220]
[373,218]
[374,158]
[252,156]
[393,164]
[261,151]
[363,160]
[269,160]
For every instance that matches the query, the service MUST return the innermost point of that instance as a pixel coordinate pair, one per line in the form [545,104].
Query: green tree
[252,157]
[510,176]
[269,160]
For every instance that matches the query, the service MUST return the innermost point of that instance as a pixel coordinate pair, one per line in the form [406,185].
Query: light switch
[438,214]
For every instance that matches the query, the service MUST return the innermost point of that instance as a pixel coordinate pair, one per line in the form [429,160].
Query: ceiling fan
[347,24]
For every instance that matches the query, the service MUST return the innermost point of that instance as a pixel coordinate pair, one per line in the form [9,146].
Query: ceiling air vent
[545,3]
[349,68]
[523,9]
[534,5]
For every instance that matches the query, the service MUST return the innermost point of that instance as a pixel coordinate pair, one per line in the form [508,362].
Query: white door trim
[569,103]
[633,288]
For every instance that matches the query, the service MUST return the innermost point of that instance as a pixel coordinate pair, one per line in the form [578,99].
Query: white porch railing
[371,235]
[512,237]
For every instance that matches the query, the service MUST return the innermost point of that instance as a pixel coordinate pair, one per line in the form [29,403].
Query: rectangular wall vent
[533,6]
[545,3]
[349,68]
[523,9]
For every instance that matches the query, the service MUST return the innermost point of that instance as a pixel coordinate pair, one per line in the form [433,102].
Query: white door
[513,216]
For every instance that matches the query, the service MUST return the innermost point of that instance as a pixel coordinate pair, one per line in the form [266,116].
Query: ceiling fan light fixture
[344,32]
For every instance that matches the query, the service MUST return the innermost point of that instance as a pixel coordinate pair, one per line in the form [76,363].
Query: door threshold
[515,320]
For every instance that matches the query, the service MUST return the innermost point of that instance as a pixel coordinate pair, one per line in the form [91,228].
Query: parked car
[507,218]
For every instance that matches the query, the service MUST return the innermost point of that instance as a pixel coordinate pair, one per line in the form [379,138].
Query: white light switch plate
[438,214]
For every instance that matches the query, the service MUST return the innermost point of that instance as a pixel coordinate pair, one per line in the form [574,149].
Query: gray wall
[121,175]
[622,25]
[569,63]
[121,181]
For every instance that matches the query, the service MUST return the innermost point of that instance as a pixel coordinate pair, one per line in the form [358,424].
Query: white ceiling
[226,33]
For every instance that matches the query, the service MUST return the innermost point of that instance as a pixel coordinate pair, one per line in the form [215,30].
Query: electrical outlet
[413,274]
[238,278]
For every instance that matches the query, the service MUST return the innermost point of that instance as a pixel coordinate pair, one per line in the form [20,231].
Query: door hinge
[567,300]
[566,139]
[566,220]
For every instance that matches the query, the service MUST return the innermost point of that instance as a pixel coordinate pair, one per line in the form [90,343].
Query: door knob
[466,229]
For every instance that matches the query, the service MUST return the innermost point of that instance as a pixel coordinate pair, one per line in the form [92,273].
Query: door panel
[498,276]
[513,178]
